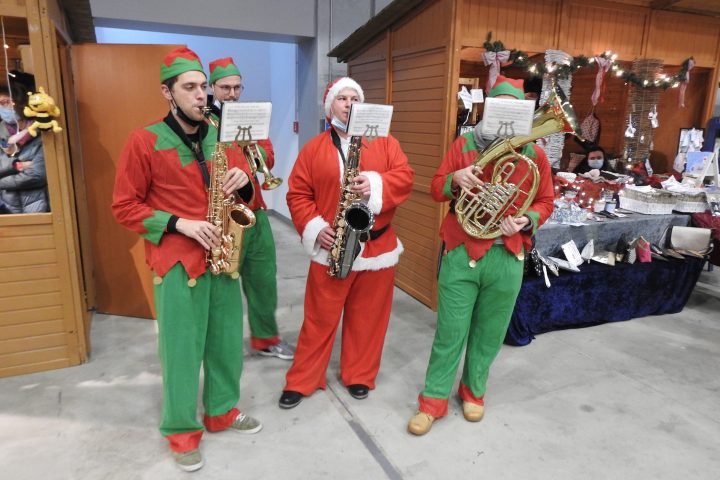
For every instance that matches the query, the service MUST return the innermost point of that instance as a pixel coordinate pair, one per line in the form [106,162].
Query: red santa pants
[364,299]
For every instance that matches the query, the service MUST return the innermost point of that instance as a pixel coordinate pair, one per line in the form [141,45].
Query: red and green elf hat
[508,86]
[180,60]
[221,68]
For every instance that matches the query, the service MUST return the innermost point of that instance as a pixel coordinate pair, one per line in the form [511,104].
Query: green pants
[474,307]
[258,273]
[200,325]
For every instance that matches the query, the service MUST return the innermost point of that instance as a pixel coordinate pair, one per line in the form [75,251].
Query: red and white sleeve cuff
[310,234]
[376,191]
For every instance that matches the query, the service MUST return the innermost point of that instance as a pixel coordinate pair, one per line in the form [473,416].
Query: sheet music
[369,120]
[250,119]
[506,117]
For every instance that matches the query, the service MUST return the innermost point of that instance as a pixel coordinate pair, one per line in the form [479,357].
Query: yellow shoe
[473,412]
[420,424]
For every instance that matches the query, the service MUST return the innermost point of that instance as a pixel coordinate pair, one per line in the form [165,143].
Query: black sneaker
[358,390]
[290,399]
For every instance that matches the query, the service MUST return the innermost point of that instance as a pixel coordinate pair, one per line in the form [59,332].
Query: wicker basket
[650,203]
[691,203]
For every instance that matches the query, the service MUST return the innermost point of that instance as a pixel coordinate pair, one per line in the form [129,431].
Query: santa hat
[221,68]
[508,86]
[180,60]
[335,87]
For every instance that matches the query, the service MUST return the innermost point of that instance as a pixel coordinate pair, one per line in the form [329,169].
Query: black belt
[373,234]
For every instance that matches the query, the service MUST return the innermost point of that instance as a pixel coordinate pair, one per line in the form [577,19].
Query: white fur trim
[376,191]
[336,87]
[385,260]
[310,234]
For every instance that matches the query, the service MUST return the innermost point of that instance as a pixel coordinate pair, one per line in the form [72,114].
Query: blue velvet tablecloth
[600,294]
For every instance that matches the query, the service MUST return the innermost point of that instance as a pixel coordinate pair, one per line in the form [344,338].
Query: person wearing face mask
[479,279]
[258,270]
[364,297]
[594,160]
[23,181]
[160,193]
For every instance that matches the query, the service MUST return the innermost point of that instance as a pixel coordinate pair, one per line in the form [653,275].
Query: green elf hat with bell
[508,86]
[221,68]
[180,60]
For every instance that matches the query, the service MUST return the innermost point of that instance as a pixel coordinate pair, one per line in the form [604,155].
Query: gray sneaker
[282,350]
[246,424]
[188,461]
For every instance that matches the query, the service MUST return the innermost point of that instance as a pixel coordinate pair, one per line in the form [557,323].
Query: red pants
[365,299]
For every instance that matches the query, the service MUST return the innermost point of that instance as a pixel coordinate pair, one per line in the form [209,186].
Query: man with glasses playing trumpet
[258,270]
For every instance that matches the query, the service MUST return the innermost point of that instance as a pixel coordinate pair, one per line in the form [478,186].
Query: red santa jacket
[314,190]
[463,153]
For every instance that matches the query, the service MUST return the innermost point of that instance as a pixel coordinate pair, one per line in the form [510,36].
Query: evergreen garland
[518,58]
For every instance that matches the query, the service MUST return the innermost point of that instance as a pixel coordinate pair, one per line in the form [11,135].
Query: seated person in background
[7,114]
[595,160]
[23,184]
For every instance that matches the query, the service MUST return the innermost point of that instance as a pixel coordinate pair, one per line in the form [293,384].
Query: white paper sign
[507,117]
[245,121]
[369,120]
[466,97]
[571,253]
[477,95]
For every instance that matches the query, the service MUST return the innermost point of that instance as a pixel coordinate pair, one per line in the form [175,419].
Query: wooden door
[117,89]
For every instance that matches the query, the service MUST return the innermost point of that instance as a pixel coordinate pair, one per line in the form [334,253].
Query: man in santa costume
[160,193]
[364,297]
[479,279]
[258,269]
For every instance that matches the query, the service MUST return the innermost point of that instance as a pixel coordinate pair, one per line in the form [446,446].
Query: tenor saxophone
[352,220]
[230,217]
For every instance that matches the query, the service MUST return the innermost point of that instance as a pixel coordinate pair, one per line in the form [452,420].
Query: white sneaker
[188,461]
[282,350]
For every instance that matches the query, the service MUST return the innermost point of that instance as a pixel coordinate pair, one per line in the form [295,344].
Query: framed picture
[700,165]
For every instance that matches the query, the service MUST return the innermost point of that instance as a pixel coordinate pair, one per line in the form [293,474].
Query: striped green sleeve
[155,226]
[534,219]
[447,188]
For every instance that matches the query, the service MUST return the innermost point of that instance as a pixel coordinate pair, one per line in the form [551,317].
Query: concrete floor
[629,400]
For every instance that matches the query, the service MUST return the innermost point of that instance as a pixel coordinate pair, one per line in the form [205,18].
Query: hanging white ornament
[630,130]
[653,117]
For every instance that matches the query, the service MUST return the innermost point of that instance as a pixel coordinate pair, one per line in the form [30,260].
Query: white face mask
[596,163]
[338,124]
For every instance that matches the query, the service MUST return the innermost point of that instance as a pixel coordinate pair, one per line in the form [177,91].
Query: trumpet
[255,159]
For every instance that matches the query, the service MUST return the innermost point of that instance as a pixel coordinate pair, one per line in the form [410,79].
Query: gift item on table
[568,212]
[604,257]
[647,200]
[642,249]
[588,250]
[564,264]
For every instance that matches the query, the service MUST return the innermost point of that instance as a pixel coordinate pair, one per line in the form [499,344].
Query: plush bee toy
[42,107]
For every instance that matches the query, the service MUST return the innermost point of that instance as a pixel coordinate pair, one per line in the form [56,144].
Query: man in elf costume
[259,268]
[160,193]
[479,279]
[364,297]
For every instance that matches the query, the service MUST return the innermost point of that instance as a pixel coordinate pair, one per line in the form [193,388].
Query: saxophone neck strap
[195,147]
[338,144]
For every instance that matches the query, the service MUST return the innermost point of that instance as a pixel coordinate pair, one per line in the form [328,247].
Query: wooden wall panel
[32,316]
[372,77]
[427,29]
[528,25]
[591,29]
[418,91]
[675,36]
[611,112]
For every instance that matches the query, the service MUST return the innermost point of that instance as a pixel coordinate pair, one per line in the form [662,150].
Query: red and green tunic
[157,177]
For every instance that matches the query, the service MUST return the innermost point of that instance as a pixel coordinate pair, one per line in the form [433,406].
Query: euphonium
[254,158]
[352,220]
[232,218]
[481,211]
